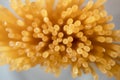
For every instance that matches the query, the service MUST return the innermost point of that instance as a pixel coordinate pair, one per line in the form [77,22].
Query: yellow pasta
[59,35]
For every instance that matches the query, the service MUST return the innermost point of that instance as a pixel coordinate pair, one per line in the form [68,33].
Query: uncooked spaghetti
[56,36]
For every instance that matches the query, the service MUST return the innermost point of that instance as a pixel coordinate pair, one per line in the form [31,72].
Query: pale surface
[38,73]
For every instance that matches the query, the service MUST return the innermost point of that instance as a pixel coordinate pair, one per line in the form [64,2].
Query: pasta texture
[58,34]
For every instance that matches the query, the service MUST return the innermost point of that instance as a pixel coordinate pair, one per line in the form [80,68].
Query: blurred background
[37,73]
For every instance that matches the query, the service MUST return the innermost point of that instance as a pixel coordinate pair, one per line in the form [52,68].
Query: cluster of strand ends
[56,35]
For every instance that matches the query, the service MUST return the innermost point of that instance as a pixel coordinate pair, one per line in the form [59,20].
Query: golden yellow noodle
[56,36]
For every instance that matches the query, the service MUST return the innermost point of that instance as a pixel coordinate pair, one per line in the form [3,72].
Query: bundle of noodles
[56,36]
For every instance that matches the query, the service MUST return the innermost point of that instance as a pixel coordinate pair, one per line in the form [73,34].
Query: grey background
[37,73]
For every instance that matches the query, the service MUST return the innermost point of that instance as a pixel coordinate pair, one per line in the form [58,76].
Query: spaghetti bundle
[56,36]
